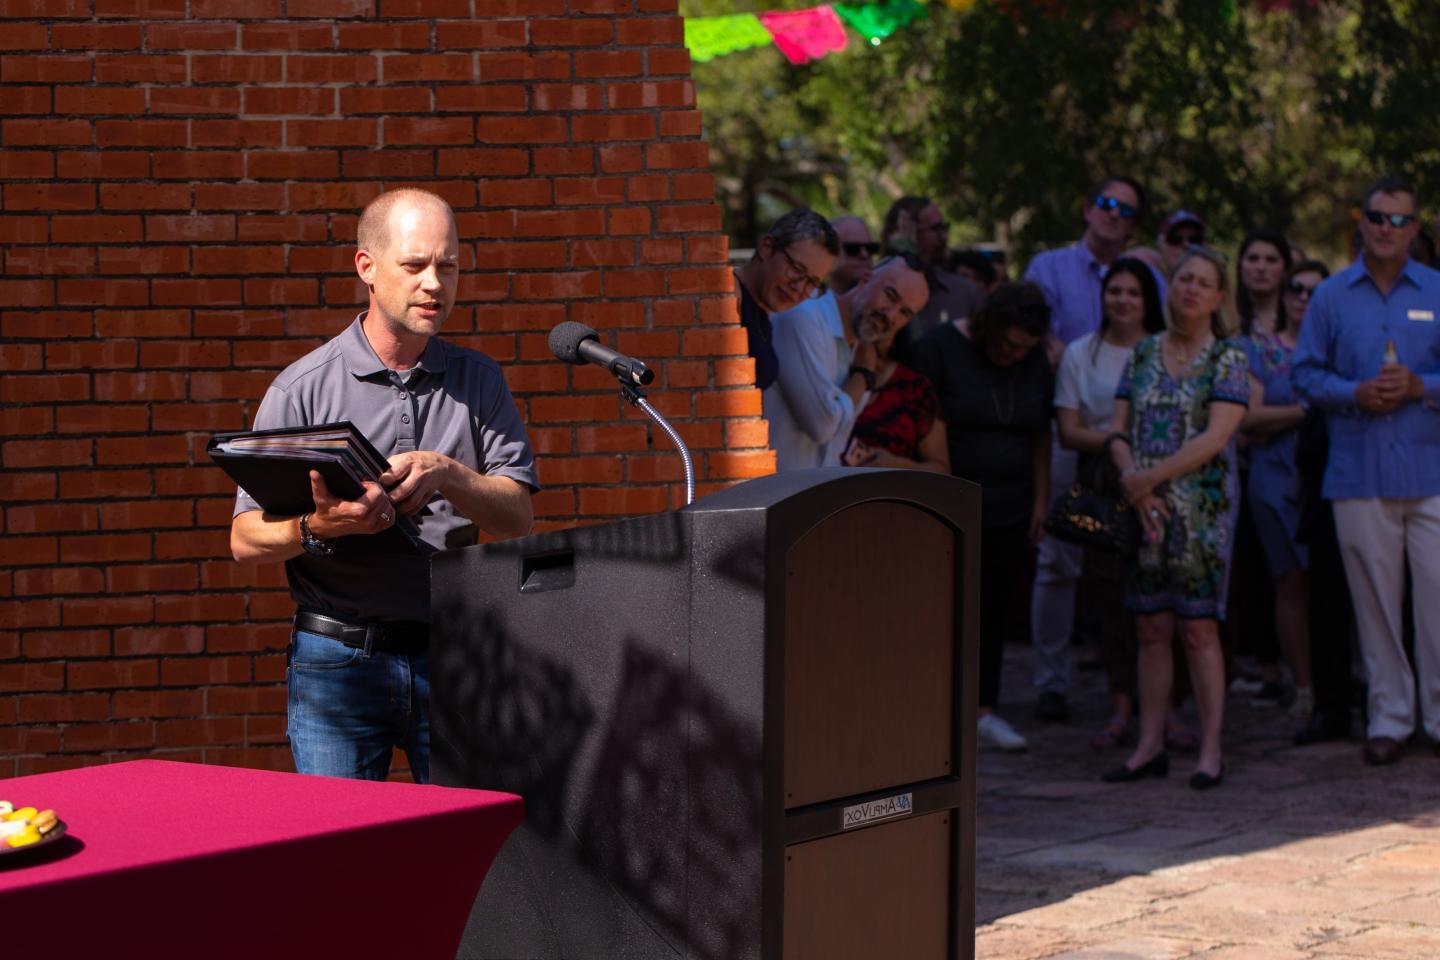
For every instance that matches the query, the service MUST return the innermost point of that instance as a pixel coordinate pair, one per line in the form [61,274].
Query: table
[184,860]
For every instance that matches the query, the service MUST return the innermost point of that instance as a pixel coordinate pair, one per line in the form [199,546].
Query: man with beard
[828,360]
[459,461]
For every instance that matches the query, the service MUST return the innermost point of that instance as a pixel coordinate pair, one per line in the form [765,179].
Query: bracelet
[865,373]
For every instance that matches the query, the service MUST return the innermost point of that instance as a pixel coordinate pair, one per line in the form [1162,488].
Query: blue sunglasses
[1110,203]
[1396,220]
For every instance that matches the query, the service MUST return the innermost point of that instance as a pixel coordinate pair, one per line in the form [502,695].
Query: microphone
[578,344]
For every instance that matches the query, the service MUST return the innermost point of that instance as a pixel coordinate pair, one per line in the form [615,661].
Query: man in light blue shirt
[1369,356]
[826,348]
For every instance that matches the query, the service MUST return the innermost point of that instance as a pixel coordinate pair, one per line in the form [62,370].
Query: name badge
[1422,315]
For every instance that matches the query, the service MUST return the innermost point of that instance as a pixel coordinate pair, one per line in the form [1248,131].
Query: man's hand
[866,356]
[334,517]
[415,477]
[1388,390]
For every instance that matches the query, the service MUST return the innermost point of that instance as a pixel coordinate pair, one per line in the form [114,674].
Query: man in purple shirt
[1369,357]
[1071,279]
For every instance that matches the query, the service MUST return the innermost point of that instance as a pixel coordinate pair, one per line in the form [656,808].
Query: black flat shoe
[1200,780]
[1156,766]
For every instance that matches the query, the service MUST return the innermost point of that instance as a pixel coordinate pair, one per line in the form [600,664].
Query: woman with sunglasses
[1177,406]
[1084,403]
[1273,486]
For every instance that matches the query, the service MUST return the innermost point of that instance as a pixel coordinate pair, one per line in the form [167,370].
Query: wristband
[865,373]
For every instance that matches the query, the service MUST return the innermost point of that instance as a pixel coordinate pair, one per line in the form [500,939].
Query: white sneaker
[995,732]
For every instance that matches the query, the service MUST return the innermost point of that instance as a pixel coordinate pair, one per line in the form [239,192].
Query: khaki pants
[1375,537]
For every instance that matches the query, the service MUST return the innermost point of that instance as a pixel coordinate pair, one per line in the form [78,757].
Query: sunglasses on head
[1110,203]
[1396,220]
[860,249]
[1296,287]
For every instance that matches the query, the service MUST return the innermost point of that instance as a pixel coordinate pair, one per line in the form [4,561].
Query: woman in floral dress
[1179,402]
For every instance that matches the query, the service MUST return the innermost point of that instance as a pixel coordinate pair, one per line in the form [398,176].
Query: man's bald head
[856,253]
[373,233]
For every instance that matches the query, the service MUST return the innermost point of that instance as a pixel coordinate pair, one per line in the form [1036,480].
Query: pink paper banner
[805,35]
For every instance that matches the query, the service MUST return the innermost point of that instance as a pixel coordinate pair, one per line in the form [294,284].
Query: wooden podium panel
[883,891]
[869,653]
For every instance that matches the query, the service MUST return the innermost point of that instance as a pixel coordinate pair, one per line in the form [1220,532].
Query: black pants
[1002,560]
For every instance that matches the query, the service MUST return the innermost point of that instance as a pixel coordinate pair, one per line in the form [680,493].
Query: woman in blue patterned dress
[1179,402]
[1273,488]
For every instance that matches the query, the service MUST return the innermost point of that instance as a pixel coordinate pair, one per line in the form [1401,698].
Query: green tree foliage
[1009,112]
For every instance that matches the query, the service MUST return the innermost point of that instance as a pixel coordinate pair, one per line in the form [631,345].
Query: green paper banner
[876,21]
[711,37]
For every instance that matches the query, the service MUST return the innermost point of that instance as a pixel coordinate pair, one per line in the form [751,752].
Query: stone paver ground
[1303,853]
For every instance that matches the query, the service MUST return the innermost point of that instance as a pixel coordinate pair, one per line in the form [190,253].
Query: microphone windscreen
[566,338]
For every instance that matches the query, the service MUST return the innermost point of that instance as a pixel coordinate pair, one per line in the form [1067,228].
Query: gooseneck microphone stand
[636,398]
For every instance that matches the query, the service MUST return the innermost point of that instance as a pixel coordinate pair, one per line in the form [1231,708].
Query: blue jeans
[348,710]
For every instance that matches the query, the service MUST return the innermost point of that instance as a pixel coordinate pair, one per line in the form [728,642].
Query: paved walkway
[1303,853]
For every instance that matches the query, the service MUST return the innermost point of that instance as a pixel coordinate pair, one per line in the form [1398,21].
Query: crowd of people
[1273,431]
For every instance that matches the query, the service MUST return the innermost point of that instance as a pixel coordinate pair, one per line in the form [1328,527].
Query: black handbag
[1093,512]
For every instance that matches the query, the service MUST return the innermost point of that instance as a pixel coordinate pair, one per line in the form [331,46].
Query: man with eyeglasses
[857,253]
[1071,279]
[1181,230]
[828,362]
[788,266]
[1369,357]
[916,226]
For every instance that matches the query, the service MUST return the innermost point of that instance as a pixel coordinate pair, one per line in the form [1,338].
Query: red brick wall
[177,205]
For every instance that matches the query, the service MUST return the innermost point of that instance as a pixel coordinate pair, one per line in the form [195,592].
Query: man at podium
[459,460]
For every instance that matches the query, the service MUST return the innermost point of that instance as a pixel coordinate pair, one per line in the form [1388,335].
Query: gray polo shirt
[454,401]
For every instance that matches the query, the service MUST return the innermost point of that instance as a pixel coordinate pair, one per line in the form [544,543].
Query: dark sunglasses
[1297,288]
[860,249]
[1396,220]
[1110,203]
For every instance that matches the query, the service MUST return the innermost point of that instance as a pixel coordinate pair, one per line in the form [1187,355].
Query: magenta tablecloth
[183,860]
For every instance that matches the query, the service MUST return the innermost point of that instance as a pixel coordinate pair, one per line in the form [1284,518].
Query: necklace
[1007,413]
[1184,358]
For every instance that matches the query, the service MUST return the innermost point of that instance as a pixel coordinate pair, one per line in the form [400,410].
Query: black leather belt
[401,636]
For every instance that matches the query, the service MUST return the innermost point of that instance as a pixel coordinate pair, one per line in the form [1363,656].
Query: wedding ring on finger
[1155,513]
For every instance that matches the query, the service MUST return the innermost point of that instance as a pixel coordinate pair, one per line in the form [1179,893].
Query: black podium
[742,729]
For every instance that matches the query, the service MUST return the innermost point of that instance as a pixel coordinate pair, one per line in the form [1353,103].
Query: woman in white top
[1084,402]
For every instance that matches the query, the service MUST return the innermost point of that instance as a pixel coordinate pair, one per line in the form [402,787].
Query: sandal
[1116,733]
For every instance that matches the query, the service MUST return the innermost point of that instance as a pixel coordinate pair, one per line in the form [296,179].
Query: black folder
[273,467]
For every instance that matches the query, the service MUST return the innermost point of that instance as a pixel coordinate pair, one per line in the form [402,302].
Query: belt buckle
[374,637]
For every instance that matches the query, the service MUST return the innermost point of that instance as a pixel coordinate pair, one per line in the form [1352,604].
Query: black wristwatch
[314,545]
[866,374]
